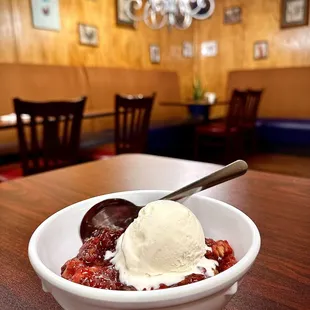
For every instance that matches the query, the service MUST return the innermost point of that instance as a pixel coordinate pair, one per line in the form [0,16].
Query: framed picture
[45,14]
[294,13]
[187,49]
[122,18]
[232,15]
[209,48]
[261,50]
[88,35]
[154,54]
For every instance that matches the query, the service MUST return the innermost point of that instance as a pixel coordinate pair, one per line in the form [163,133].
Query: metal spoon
[121,213]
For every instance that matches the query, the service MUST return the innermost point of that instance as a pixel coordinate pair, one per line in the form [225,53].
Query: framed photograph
[154,54]
[261,50]
[294,13]
[122,18]
[45,14]
[88,35]
[232,15]
[209,48]
[187,49]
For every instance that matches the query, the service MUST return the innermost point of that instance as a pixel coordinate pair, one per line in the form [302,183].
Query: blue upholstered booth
[284,135]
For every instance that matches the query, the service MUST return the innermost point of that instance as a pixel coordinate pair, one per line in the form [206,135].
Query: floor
[283,164]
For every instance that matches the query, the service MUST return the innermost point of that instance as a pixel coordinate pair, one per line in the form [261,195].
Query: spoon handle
[227,173]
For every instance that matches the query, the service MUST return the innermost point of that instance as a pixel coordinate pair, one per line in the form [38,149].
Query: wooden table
[187,103]
[87,115]
[279,205]
[193,105]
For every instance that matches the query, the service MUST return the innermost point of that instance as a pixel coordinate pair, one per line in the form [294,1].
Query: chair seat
[248,126]
[14,171]
[10,172]
[218,129]
[103,152]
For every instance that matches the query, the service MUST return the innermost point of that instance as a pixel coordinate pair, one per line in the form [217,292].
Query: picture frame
[88,35]
[294,13]
[187,49]
[209,49]
[45,14]
[260,50]
[233,15]
[121,17]
[155,56]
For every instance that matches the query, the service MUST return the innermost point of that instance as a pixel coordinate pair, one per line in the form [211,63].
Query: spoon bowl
[109,212]
[121,212]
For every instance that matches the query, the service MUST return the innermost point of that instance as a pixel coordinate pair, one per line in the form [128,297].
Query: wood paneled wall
[128,48]
[260,21]
[119,46]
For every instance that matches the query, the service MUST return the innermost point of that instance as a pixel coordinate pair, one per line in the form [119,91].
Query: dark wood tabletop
[279,205]
[4,124]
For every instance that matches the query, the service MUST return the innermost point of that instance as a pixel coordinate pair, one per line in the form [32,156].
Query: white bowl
[57,239]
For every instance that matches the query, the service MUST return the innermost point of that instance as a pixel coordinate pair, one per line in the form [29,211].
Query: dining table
[196,108]
[9,121]
[278,204]
[192,102]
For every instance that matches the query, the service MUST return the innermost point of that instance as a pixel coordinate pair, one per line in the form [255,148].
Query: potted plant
[197,90]
[197,111]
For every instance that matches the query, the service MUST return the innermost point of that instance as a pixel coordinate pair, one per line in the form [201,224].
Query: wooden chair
[132,120]
[253,100]
[227,134]
[54,136]
[248,123]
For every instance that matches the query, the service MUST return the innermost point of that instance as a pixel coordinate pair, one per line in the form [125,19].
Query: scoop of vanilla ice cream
[163,245]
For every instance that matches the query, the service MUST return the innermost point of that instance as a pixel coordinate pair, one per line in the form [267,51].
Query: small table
[279,205]
[196,107]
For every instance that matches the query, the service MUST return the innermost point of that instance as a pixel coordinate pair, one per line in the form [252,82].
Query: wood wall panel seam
[14,31]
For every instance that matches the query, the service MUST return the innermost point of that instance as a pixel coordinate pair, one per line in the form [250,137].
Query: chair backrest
[50,137]
[253,100]
[236,109]
[132,120]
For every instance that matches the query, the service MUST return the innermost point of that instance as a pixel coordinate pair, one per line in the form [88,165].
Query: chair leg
[228,150]
[241,145]
[253,142]
[196,147]
[233,148]
[249,142]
